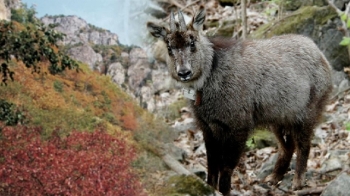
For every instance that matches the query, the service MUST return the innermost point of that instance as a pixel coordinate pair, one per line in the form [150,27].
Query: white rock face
[6,6]
[85,54]
[139,70]
[117,73]
[80,36]
[79,31]
[3,11]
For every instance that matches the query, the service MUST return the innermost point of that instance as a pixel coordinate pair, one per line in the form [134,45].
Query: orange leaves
[128,117]
[84,94]
[129,121]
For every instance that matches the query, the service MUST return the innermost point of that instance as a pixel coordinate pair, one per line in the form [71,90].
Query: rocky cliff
[79,31]
[129,67]
[81,37]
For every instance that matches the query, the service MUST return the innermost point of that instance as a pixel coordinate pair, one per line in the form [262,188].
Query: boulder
[320,24]
[139,71]
[117,73]
[125,58]
[86,54]
[341,3]
[147,98]
[339,186]
[186,185]
[161,80]
[292,5]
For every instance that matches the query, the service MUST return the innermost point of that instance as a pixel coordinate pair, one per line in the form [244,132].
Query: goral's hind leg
[232,149]
[285,153]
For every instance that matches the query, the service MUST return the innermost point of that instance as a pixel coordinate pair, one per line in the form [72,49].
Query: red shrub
[81,164]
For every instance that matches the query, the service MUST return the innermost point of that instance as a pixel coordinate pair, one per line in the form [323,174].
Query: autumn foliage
[82,163]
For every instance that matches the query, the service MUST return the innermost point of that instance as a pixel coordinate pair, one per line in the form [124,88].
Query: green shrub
[10,114]
[58,86]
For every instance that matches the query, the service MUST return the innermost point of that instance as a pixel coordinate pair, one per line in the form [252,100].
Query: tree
[31,44]
[23,14]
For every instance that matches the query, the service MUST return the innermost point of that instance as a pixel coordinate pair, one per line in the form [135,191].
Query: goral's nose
[184,74]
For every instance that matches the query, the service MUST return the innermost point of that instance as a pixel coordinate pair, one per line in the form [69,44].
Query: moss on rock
[302,21]
[186,185]
[261,139]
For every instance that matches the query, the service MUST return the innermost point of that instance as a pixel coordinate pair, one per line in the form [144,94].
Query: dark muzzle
[184,74]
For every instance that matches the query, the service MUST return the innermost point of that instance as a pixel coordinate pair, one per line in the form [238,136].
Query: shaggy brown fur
[283,83]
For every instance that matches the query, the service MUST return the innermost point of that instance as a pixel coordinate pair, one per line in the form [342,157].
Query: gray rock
[335,161]
[117,73]
[267,167]
[344,84]
[161,80]
[147,98]
[86,55]
[184,125]
[331,164]
[200,171]
[320,24]
[139,71]
[125,58]
[176,152]
[340,80]
[339,186]
[328,37]
[340,4]
[79,31]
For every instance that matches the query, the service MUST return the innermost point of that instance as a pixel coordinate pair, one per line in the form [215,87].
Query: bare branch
[244,18]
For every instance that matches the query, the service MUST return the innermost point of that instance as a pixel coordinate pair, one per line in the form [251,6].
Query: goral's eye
[193,46]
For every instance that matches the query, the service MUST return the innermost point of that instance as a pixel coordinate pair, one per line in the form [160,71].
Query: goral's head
[187,48]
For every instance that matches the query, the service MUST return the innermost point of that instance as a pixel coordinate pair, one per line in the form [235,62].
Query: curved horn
[182,21]
[172,22]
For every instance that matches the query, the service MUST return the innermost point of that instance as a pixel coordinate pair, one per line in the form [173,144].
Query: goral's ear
[198,20]
[156,30]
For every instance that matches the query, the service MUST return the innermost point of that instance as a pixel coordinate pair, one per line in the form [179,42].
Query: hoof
[272,180]
[297,186]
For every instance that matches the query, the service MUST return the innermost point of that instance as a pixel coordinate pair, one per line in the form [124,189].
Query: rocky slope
[328,164]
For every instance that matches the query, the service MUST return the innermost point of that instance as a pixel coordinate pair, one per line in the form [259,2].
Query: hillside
[68,129]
